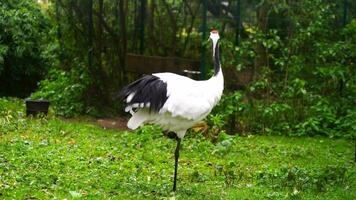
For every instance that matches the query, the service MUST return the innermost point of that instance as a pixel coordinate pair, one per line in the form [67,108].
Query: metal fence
[191,17]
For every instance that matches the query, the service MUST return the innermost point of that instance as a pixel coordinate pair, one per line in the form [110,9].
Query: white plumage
[174,102]
[188,102]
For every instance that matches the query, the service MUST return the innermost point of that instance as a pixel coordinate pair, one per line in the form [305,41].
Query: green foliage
[24,46]
[299,57]
[47,158]
[65,90]
[11,115]
[297,179]
[307,86]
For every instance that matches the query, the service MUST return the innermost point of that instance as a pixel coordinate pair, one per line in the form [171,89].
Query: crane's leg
[176,156]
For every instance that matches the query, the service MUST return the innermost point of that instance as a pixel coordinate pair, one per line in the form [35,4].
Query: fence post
[203,50]
[142,25]
[59,33]
[238,22]
[90,27]
[344,21]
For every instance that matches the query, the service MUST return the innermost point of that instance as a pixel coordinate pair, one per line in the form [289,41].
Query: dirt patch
[113,123]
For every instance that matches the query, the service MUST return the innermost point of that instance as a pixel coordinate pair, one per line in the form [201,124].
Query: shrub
[24,46]
[65,90]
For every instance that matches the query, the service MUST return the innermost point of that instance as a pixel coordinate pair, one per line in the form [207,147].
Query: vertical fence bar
[57,20]
[344,18]
[203,50]
[238,23]
[344,22]
[90,34]
[59,33]
[237,15]
[142,25]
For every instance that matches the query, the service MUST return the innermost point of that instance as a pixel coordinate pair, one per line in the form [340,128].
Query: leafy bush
[294,117]
[24,46]
[65,90]
[307,86]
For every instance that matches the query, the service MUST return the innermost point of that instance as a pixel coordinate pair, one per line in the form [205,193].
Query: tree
[25,50]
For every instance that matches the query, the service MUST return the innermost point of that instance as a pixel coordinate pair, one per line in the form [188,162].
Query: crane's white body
[189,101]
[186,101]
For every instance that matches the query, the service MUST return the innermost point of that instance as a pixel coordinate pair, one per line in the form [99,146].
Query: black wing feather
[147,89]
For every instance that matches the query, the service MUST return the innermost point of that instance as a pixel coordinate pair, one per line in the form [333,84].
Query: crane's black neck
[216,59]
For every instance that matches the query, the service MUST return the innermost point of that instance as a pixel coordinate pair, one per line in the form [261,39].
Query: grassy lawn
[53,158]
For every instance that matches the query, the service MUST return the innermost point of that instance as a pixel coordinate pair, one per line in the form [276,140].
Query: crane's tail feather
[137,120]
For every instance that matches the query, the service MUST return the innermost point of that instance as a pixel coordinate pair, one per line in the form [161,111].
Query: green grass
[53,158]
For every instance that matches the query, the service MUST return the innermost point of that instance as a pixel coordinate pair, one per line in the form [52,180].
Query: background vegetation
[289,65]
[24,53]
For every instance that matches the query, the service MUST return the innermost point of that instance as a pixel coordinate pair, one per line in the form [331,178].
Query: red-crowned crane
[174,102]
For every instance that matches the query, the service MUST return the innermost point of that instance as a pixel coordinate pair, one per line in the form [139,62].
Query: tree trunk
[99,39]
[173,23]
[191,25]
[123,36]
[142,25]
[90,35]
[59,34]
[150,29]
[98,92]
